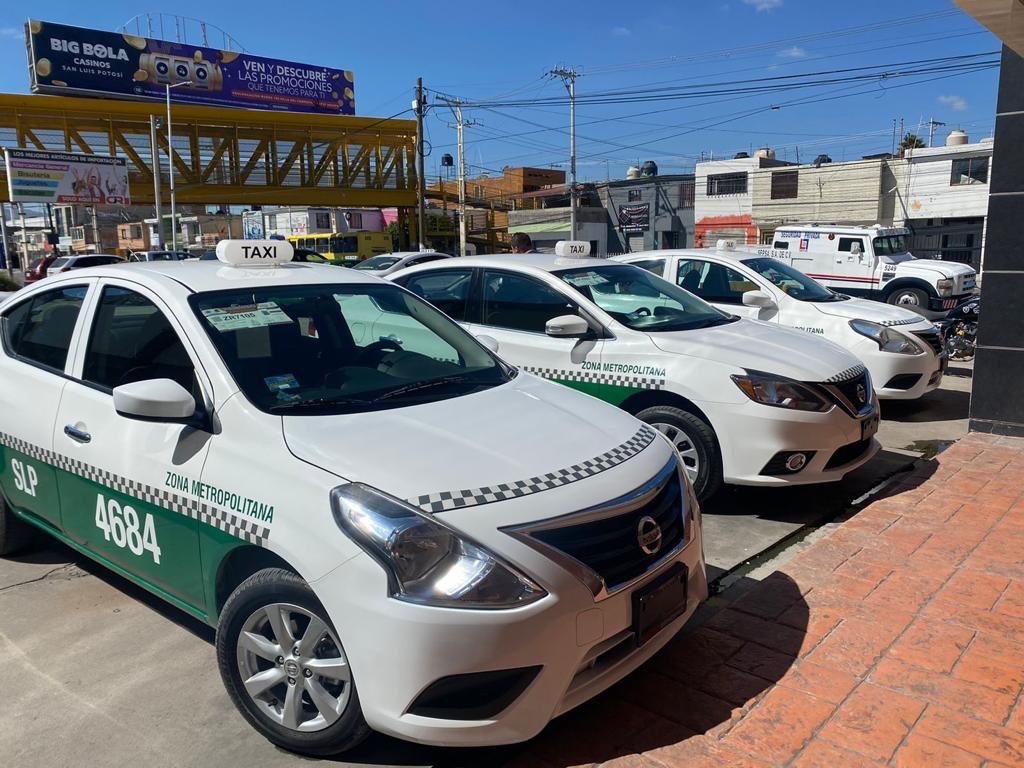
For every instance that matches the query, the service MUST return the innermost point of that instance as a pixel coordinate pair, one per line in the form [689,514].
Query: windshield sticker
[260,315]
[586,279]
[284,381]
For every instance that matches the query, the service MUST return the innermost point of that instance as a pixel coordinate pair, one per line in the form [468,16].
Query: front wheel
[695,441]
[284,667]
[15,534]
[911,298]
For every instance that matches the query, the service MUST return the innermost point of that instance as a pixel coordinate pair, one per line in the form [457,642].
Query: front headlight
[944,287]
[426,561]
[887,339]
[780,392]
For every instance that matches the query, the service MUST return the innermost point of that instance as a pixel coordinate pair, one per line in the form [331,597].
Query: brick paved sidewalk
[896,640]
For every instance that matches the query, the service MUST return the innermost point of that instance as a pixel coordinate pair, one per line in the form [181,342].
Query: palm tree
[911,141]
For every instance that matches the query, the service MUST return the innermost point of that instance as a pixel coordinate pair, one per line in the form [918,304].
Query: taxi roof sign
[254,253]
[572,249]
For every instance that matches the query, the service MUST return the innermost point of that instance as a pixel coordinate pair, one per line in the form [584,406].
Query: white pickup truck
[872,262]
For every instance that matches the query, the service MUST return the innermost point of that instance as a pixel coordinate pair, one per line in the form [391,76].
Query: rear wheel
[284,667]
[15,534]
[912,298]
[695,442]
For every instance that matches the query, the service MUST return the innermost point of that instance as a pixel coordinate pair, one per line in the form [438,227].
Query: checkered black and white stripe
[908,321]
[233,524]
[849,373]
[472,497]
[596,377]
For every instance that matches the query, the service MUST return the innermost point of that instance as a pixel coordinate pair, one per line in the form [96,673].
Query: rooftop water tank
[765,153]
[956,138]
[650,168]
[632,172]
[741,156]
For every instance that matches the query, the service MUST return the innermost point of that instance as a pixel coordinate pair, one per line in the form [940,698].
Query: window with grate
[785,185]
[687,192]
[727,184]
[635,195]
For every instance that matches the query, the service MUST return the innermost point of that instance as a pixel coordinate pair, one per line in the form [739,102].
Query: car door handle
[76,434]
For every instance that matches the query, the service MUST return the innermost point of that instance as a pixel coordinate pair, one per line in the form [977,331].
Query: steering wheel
[375,352]
[640,312]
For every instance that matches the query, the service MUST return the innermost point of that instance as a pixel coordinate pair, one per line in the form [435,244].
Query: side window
[39,330]
[654,266]
[714,282]
[846,244]
[423,260]
[131,340]
[521,303]
[781,245]
[447,289]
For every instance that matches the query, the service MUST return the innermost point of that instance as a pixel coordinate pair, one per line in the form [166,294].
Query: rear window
[39,330]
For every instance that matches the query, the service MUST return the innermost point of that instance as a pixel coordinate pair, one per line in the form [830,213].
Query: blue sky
[490,50]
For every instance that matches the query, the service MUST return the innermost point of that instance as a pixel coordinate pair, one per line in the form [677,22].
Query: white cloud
[621,32]
[796,52]
[956,103]
[763,5]
[15,32]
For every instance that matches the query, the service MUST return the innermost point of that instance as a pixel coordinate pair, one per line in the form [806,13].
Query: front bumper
[751,435]
[891,373]
[946,303]
[582,646]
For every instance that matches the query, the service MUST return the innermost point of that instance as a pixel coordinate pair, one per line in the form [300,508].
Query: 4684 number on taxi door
[121,525]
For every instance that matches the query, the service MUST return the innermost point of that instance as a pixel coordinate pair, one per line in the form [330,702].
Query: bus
[345,248]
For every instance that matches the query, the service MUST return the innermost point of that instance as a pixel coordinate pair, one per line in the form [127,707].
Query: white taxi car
[404,535]
[743,401]
[902,350]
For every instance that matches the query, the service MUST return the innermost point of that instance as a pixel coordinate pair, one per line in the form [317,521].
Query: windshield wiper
[319,402]
[421,385]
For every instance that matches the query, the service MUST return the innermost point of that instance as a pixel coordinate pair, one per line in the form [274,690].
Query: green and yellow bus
[345,248]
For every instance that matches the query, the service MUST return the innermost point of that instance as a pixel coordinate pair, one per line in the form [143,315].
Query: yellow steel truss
[225,155]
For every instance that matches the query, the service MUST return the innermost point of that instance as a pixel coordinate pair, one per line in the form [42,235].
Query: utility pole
[932,125]
[6,242]
[460,126]
[23,261]
[170,164]
[420,108]
[154,126]
[569,80]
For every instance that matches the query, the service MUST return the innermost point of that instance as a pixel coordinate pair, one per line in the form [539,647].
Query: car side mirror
[567,327]
[155,400]
[490,342]
[759,299]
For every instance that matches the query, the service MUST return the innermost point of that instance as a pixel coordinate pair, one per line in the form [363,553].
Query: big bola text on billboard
[72,60]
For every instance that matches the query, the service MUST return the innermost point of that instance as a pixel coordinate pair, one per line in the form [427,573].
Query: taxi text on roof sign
[572,248]
[254,253]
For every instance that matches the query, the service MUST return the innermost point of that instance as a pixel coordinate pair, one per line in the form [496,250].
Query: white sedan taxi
[902,350]
[746,402]
[390,530]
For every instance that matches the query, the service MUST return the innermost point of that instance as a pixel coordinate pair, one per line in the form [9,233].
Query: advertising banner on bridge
[75,61]
[36,176]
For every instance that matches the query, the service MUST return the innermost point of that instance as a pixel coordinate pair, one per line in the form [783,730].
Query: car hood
[524,429]
[929,268]
[754,345]
[875,311]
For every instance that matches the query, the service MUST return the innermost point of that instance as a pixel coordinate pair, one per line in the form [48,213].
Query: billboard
[36,176]
[75,61]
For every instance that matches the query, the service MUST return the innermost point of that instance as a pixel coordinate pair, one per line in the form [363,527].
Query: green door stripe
[597,377]
[232,524]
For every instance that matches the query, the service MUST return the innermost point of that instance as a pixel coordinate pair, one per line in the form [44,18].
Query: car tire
[696,443]
[911,298]
[15,534]
[243,641]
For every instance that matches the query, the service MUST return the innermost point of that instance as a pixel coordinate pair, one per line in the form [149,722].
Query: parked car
[902,350]
[37,270]
[873,262]
[159,256]
[744,402]
[414,538]
[68,263]
[384,265]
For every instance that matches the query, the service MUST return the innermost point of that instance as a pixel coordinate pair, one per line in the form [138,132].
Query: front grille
[903,381]
[848,453]
[854,394]
[609,545]
[932,338]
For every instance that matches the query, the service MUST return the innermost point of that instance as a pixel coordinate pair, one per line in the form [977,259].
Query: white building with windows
[308,220]
[945,198]
[724,197]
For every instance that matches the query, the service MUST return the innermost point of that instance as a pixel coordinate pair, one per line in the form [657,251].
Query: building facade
[724,199]
[649,212]
[308,220]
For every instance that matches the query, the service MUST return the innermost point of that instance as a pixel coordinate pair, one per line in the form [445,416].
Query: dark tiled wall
[997,403]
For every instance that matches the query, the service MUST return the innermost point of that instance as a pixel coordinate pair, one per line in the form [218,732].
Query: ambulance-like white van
[872,262]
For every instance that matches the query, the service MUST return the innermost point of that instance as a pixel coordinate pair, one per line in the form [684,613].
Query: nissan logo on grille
[648,535]
[862,394]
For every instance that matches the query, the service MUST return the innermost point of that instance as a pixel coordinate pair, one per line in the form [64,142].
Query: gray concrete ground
[95,672]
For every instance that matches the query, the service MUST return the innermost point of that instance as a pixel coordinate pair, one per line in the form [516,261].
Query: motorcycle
[960,330]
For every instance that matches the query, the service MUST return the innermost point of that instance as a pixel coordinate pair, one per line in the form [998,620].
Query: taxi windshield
[794,283]
[334,349]
[378,262]
[642,301]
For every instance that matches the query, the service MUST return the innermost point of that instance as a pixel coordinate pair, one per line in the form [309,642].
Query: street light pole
[569,79]
[421,190]
[155,151]
[170,165]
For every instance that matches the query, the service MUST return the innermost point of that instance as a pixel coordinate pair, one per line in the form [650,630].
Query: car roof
[526,262]
[202,276]
[735,256]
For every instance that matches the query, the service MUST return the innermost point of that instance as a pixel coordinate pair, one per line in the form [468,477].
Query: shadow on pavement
[940,405]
